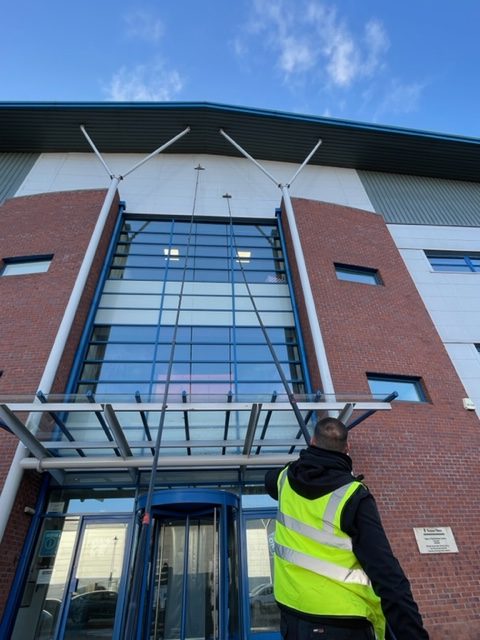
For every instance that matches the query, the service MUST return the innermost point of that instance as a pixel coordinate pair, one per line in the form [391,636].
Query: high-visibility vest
[316,571]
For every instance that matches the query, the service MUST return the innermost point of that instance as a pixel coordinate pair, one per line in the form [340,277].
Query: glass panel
[453,268]
[357,275]
[408,390]
[122,352]
[447,260]
[155,226]
[264,612]
[93,603]
[29,266]
[44,592]
[199,587]
[119,333]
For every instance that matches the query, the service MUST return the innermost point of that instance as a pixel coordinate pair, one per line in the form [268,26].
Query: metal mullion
[59,422]
[308,417]
[251,428]
[102,422]
[227,422]
[186,545]
[469,262]
[186,423]
[143,417]
[267,421]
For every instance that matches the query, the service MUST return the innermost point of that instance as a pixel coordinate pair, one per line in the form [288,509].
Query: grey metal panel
[14,168]
[407,199]
[266,135]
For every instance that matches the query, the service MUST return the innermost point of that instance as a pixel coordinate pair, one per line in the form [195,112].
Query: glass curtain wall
[220,347]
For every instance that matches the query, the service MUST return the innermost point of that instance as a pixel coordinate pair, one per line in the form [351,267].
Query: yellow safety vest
[316,571]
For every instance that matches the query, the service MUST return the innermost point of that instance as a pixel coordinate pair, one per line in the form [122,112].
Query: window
[454,261]
[363,275]
[409,389]
[219,346]
[25,264]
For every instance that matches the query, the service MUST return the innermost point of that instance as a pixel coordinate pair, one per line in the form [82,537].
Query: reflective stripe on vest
[323,568]
[326,535]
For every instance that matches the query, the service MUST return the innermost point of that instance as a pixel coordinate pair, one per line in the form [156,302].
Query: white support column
[317,338]
[14,477]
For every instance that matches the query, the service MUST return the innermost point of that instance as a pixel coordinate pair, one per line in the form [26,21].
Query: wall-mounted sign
[435,540]
[44,576]
[49,544]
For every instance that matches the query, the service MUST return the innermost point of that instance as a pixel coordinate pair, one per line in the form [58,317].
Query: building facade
[180,290]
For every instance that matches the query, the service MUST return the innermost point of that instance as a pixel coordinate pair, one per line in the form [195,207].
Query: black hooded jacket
[318,472]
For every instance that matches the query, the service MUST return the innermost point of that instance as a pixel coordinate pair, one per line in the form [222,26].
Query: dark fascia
[265,134]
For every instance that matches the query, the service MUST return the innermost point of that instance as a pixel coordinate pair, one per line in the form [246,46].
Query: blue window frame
[454,261]
[409,388]
[362,275]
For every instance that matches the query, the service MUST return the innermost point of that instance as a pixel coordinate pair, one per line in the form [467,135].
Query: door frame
[71,582]
[181,502]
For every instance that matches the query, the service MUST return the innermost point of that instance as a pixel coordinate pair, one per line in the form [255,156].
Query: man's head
[330,434]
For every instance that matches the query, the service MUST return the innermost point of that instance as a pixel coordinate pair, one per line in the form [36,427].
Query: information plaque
[435,540]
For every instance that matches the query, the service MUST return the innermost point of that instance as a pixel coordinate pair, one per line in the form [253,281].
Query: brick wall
[420,460]
[31,309]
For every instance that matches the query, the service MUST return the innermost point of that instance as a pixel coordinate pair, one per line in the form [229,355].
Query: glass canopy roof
[76,432]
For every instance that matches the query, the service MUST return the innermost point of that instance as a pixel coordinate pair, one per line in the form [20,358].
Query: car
[98,605]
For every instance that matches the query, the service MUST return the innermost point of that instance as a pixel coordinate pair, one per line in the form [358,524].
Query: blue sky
[411,64]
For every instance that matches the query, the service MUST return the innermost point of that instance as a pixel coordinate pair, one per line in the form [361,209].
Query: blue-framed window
[25,265]
[362,275]
[220,347]
[454,261]
[409,388]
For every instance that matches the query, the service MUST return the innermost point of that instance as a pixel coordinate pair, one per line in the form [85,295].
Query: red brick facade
[420,460]
[31,309]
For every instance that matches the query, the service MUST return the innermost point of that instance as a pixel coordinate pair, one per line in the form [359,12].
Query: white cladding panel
[165,184]
[452,299]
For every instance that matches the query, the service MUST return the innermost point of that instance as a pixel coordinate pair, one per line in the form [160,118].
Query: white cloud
[144,83]
[144,26]
[400,98]
[313,36]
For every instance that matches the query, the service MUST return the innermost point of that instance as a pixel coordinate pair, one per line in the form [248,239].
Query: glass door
[186,590]
[93,595]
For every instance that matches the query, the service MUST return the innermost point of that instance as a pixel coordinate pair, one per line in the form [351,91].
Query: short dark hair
[331,434]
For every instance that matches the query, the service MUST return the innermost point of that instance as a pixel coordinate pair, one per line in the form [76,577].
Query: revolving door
[193,586]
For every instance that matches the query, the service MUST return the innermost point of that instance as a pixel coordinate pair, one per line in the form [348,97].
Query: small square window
[363,275]
[409,389]
[25,265]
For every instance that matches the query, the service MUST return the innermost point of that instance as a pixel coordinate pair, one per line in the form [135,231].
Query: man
[336,577]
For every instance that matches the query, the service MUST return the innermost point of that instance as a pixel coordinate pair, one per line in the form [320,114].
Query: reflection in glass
[264,612]
[185,602]
[92,606]
[44,592]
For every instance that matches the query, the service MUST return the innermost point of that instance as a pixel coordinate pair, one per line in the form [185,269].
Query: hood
[319,471]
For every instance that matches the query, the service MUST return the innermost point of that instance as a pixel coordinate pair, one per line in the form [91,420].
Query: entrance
[193,590]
